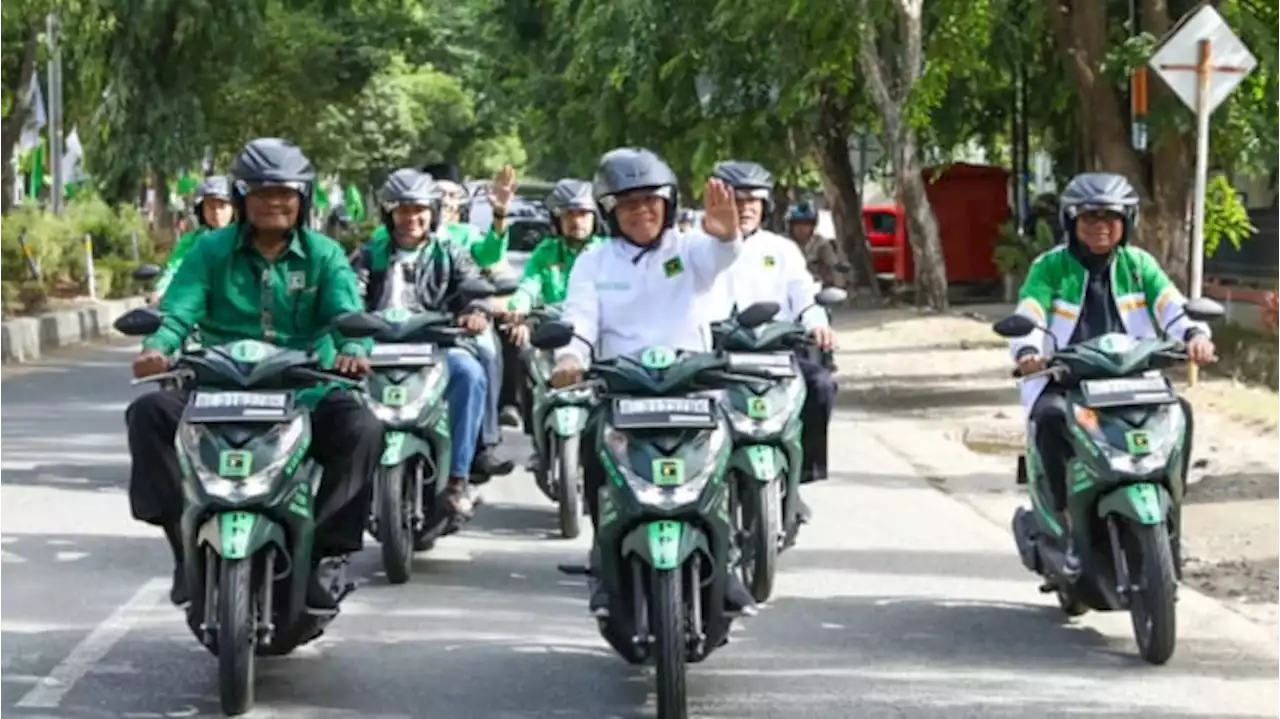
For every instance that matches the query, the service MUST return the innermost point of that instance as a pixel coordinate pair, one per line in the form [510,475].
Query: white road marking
[48,693]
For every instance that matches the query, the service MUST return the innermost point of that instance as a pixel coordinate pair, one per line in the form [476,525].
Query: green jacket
[219,287]
[486,249]
[180,250]
[546,273]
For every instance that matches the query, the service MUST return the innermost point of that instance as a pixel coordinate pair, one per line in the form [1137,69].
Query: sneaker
[178,590]
[459,501]
[488,463]
[509,417]
[327,585]
[534,463]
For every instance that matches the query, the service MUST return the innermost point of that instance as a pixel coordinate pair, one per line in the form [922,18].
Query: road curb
[26,339]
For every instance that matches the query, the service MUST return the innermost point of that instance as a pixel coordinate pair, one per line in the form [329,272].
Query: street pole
[54,30]
[1204,73]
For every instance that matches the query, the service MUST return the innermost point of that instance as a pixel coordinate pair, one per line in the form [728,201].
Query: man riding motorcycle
[1094,284]
[268,278]
[822,253]
[546,273]
[685,220]
[771,268]
[641,288]
[419,270]
[213,212]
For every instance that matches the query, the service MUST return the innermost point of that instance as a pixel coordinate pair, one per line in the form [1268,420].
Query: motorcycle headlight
[414,395]
[665,497]
[279,445]
[791,395]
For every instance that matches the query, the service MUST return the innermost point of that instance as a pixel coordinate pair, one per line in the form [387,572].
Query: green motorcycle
[248,524]
[664,534]
[1125,481]
[768,457]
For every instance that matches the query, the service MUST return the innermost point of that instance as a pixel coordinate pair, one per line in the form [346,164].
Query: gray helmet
[748,177]
[409,186]
[1099,191]
[270,161]
[570,194]
[215,186]
[634,168]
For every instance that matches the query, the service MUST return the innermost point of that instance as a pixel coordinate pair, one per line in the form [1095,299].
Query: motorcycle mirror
[358,325]
[757,314]
[1015,326]
[138,322]
[552,335]
[830,296]
[1203,309]
[146,273]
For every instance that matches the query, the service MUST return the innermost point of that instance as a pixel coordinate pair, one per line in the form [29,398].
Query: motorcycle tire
[237,636]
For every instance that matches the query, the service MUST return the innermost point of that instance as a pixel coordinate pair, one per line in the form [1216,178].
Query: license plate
[239,407]
[414,354]
[659,412]
[774,365]
[1127,391]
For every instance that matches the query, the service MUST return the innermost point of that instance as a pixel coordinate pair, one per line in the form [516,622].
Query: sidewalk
[939,389]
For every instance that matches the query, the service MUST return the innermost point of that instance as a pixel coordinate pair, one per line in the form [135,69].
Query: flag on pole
[73,159]
[37,120]
[354,203]
[35,180]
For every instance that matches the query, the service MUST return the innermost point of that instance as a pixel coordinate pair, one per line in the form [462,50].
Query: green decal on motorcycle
[300,502]
[235,464]
[1081,475]
[250,351]
[764,461]
[391,450]
[396,315]
[658,357]
[668,472]
[1139,442]
[569,420]
[758,408]
[442,425]
[664,543]
[299,453]
[236,528]
[394,396]
[608,513]
[1145,499]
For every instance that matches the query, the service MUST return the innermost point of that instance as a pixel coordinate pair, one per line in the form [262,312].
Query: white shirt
[398,291]
[623,298]
[770,268]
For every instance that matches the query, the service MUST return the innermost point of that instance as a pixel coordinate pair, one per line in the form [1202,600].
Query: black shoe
[803,513]
[534,463]
[598,604]
[738,599]
[509,417]
[178,593]
[328,583]
[487,463]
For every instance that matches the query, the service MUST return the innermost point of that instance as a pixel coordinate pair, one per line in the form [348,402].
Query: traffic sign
[1178,60]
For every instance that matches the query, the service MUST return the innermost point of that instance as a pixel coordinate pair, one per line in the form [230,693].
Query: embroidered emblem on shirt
[769,262]
[672,267]
[297,281]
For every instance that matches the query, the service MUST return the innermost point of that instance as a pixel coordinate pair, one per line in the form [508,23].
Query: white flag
[37,120]
[72,159]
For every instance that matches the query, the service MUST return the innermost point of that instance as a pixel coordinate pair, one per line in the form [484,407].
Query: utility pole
[53,37]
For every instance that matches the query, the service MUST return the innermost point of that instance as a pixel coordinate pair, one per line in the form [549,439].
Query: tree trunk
[19,112]
[922,228]
[843,193]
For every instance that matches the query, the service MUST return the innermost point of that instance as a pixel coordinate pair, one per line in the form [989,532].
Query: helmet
[270,161]
[215,186]
[634,168]
[750,178]
[803,212]
[1099,191]
[408,186]
[570,194]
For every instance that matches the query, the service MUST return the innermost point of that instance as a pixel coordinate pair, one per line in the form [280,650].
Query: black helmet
[270,161]
[803,212]
[1099,191]
[634,168]
[749,178]
[570,194]
[215,186]
[408,186]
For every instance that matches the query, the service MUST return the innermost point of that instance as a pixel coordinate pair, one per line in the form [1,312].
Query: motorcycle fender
[236,535]
[761,461]
[664,544]
[400,446]
[569,420]
[1144,503]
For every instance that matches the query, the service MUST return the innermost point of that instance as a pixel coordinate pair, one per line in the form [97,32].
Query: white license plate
[404,351]
[1127,385]
[271,401]
[752,359]
[663,405]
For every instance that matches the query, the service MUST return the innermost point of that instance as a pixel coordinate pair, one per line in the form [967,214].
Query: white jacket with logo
[770,268]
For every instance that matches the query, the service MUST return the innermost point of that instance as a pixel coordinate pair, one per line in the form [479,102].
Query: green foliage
[1014,253]
[1225,216]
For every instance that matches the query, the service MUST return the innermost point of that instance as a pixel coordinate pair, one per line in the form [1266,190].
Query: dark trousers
[819,404]
[515,382]
[1049,413]
[346,441]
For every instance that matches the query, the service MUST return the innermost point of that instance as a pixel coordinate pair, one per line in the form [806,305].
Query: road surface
[898,602]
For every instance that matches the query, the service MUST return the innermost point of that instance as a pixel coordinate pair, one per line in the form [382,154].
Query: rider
[685,220]
[546,273]
[772,269]
[1094,284]
[213,212]
[822,253]
[641,288]
[265,278]
[421,271]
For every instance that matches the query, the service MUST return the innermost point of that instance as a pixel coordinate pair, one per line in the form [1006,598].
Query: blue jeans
[490,430]
[465,394]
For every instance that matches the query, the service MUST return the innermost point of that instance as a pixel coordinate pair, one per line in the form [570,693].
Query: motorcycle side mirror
[757,314]
[830,296]
[139,322]
[358,325]
[1015,326]
[146,273]
[552,335]
[1203,309]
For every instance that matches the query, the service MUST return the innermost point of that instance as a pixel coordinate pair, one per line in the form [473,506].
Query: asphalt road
[898,602]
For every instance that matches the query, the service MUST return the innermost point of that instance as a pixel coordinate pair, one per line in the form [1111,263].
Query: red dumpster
[970,202]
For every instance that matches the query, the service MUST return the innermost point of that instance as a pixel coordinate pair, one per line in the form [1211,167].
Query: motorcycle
[406,393]
[1124,482]
[664,535]
[768,456]
[248,522]
[558,419]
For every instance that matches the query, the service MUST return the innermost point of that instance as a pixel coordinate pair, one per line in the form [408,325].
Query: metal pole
[88,265]
[54,28]
[1204,73]
[133,239]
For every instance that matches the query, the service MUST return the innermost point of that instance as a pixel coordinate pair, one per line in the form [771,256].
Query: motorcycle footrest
[575,570]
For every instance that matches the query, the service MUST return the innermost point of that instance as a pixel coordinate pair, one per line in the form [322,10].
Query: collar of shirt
[245,233]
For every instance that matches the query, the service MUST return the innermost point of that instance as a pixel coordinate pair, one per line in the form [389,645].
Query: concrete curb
[27,338]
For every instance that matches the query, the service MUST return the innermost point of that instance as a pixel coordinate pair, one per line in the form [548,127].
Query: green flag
[320,197]
[35,179]
[355,204]
[187,183]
